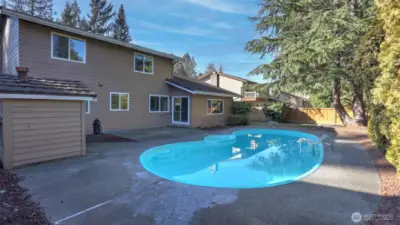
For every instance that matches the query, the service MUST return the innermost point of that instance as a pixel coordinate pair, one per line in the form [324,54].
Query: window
[159,103]
[87,107]
[119,101]
[215,107]
[143,64]
[68,48]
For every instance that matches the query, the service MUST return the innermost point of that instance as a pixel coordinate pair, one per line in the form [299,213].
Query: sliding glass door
[181,110]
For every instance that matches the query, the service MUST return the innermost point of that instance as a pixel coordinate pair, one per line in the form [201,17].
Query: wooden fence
[315,116]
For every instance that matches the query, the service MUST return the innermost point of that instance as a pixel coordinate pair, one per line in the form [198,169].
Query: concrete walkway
[109,186]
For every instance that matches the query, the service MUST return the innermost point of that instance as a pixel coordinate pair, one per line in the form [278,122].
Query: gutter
[201,92]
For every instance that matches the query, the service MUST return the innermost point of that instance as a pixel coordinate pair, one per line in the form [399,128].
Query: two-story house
[134,86]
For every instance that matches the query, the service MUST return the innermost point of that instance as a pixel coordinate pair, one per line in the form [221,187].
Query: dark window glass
[60,46]
[114,101]
[164,104]
[139,63]
[154,103]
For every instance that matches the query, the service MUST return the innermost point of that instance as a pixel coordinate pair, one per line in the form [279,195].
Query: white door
[181,110]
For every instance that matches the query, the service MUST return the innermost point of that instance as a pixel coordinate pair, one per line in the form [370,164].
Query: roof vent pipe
[22,74]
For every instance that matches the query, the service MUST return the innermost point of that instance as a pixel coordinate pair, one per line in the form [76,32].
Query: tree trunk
[359,107]
[337,104]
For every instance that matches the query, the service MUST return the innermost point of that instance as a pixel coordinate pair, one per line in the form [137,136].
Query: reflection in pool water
[253,158]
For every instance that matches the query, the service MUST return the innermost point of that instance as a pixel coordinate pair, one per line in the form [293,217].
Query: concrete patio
[109,186]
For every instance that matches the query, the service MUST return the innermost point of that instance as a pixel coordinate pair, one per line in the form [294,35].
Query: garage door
[43,130]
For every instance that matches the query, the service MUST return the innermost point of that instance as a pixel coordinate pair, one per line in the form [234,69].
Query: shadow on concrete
[296,203]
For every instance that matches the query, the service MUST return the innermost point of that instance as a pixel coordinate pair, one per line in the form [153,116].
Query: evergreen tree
[210,68]
[101,12]
[71,14]
[120,28]
[386,94]
[186,67]
[40,8]
[221,69]
[314,42]
[18,5]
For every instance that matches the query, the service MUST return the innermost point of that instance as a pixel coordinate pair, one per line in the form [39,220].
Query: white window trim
[215,114]
[89,109]
[119,109]
[69,48]
[144,58]
[159,102]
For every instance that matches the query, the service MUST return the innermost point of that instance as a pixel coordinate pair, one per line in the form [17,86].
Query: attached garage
[42,119]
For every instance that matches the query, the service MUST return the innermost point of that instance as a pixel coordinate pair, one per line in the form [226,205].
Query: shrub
[241,108]
[378,126]
[276,111]
[387,91]
[238,120]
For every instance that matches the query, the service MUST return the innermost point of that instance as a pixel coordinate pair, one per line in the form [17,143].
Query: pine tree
[186,67]
[18,5]
[210,68]
[314,42]
[101,12]
[71,14]
[221,69]
[40,8]
[120,28]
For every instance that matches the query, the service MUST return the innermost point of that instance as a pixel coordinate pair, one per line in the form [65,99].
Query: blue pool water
[244,159]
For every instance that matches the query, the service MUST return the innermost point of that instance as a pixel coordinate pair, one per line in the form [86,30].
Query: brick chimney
[22,74]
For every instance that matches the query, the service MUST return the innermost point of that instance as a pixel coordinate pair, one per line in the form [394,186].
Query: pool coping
[300,177]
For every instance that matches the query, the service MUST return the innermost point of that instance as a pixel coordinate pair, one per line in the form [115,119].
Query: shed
[42,119]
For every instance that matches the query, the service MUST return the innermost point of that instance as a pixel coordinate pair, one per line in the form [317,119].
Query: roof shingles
[11,85]
[198,86]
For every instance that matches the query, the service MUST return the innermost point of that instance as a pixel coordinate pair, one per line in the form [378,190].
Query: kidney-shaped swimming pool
[245,159]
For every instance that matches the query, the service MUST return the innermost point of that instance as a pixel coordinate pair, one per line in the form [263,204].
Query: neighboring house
[242,86]
[294,100]
[134,87]
[234,84]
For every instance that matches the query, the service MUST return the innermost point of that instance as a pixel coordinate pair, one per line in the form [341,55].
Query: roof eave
[46,97]
[194,92]
[66,28]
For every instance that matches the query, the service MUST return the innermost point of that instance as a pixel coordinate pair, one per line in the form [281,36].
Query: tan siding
[199,117]
[10,46]
[36,134]
[108,68]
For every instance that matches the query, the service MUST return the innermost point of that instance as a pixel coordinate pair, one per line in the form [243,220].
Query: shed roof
[195,86]
[10,84]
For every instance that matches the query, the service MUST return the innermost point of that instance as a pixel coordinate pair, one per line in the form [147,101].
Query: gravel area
[16,206]
[390,179]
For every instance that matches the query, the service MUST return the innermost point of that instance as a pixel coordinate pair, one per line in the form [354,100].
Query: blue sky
[210,30]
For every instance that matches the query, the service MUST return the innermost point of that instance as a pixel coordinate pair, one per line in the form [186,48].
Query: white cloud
[224,6]
[222,25]
[192,31]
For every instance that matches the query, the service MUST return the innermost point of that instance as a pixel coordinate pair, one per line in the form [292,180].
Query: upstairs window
[143,64]
[215,107]
[119,101]
[159,103]
[68,48]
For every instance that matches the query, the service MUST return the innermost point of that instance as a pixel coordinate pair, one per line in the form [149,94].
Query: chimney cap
[22,69]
